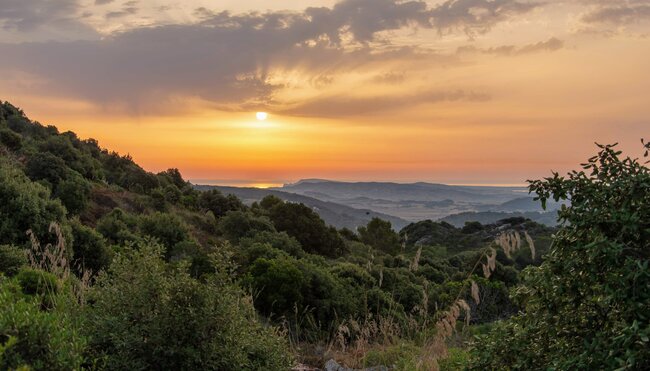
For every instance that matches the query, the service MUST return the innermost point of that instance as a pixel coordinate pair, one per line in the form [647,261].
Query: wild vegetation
[106,266]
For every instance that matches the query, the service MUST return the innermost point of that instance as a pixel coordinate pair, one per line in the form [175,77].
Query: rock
[332,365]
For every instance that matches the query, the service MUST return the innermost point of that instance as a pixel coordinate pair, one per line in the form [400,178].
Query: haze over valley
[353,204]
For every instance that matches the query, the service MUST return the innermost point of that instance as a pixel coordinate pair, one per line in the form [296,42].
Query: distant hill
[521,204]
[403,191]
[332,213]
[488,217]
[417,201]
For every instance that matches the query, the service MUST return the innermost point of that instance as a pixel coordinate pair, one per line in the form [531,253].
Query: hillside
[421,201]
[340,216]
[135,255]
[489,217]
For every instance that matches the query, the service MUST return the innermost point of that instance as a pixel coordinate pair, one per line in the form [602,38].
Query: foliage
[91,252]
[36,338]
[25,205]
[12,258]
[584,307]
[380,235]
[74,194]
[185,324]
[12,140]
[239,224]
[118,227]
[218,204]
[302,223]
[179,302]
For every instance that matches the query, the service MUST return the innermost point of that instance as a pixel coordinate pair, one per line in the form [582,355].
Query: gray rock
[332,365]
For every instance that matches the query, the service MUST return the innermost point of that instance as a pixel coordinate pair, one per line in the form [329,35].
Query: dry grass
[415,264]
[51,258]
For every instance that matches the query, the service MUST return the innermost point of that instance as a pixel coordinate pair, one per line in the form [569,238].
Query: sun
[261,116]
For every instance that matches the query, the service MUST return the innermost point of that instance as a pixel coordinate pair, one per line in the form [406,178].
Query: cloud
[127,10]
[226,60]
[102,2]
[477,16]
[549,45]
[346,106]
[619,12]
[27,15]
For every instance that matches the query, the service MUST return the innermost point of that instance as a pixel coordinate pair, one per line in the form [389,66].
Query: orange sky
[460,91]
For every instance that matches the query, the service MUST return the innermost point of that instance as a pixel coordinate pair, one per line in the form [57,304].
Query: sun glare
[261,116]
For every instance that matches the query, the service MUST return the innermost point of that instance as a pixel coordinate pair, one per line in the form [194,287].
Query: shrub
[168,229]
[380,235]
[74,194]
[218,204]
[237,224]
[277,284]
[90,249]
[26,205]
[584,307]
[10,139]
[39,340]
[118,227]
[11,259]
[187,324]
[308,228]
[281,241]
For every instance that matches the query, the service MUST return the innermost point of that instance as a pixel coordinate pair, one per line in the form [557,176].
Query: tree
[237,224]
[218,204]
[308,228]
[586,306]
[90,249]
[278,285]
[27,205]
[118,227]
[46,166]
[74,194]
[168,229]
[13,141]
[380,235]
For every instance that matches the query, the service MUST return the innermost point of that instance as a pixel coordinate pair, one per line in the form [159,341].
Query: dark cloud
[477,16]
[226,59]
[549,45]
[27,15]
[127,10]
[342,106]
[102,2]
[618,12]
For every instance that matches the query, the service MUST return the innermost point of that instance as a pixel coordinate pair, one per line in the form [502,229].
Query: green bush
[118,227]
[277,285]
[302,223]
[238,224]
[149,315]
[90,252]
[11,259]
[40,340]
[10,139]
[380,235]
[74,194]
[586,306]
[27,205]
[168,229]
[214,201]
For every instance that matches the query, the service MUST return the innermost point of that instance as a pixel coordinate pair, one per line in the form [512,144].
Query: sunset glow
[416,93]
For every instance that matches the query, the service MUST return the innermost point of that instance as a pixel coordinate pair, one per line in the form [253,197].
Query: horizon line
[253,183]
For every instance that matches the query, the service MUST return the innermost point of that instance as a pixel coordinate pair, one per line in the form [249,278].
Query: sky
[453,91]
